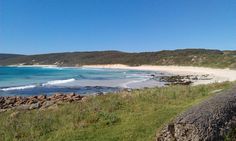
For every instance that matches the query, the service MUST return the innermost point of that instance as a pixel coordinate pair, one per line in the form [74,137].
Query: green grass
[128,116]
[231,135]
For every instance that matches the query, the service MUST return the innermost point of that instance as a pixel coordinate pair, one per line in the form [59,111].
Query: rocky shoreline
[45,101]
[37,102]
[181,79]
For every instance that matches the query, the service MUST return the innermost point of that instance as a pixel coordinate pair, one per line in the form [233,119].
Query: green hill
[184,57]
[8,56]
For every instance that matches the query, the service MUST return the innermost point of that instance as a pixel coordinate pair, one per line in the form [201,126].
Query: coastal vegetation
[7,56]
[129,115]
[183,57]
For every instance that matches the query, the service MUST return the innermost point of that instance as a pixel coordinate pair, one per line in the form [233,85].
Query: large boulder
[209,121]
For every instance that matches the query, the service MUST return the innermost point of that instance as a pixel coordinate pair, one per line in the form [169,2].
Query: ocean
[26,81]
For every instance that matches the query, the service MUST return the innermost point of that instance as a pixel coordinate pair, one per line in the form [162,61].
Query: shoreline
[218,75]
[44,101]
[213,74]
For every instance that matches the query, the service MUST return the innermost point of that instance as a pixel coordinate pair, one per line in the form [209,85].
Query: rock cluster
[180,79]
[36,102]
[211,120]
[176,80]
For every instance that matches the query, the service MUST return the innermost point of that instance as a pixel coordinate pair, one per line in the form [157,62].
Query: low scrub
[183,57]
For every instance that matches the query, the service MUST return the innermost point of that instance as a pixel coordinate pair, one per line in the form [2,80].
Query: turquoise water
[41,80]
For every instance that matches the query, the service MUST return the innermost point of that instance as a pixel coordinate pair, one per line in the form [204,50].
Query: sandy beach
[217,75]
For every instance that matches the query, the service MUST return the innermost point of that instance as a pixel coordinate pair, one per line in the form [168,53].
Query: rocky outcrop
[36,102]
[209,121]
[181,79]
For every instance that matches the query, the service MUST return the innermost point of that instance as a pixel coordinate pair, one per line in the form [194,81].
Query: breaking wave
[18,88]
[56,82]
[49,83]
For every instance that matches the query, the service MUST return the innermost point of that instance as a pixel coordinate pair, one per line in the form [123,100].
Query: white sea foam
[18,88]
[102,69]
[52,67]
[126,85]
[95,69]
[138,76]
[56,82]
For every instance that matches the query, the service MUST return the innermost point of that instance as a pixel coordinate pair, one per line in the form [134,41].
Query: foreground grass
[129,116]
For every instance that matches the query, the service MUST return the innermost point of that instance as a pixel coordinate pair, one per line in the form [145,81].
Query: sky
[46,26]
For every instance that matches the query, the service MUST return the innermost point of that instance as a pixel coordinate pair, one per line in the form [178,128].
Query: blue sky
[45,26]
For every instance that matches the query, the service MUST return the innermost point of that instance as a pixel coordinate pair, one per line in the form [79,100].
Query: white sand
[217,75]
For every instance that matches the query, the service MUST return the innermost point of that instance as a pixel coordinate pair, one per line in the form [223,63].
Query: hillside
[185,57]
[8,56]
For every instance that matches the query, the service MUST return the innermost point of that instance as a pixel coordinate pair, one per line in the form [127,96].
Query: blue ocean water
[48,80]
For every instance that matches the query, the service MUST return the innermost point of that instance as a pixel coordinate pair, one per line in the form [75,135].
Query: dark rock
[182,83]
[2,100]
[177,80]
[152,75]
